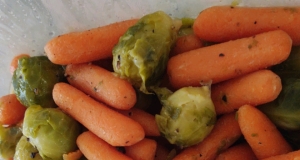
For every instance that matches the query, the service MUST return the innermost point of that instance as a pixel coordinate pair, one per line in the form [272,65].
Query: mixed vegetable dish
[219,86]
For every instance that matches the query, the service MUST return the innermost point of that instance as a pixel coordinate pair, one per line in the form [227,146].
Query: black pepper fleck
[221,55]
[224,98]
[33,154]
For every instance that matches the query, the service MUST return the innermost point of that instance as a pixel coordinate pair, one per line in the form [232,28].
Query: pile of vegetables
[160,88]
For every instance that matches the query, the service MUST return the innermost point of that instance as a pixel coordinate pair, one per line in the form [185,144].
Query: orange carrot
[143,150]
[224,23]
[261,134]
[94,148]
[146,120]
[11,110]
[254,88]
[186,43]
[238,152]
[14,62]
[86,46]
[113,127]
[294,155]
[227,60]
[225,132]
[76,155]
[102,85]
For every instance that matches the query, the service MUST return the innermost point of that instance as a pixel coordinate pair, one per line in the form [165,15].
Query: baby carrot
[102,85]
[254,89]
[227,60]
[94,148]
[143,150]
[11,110]
[146,120]
[14,62]
[186,43]
[261,134]
[224,23]
[86,46]
[238,152]
[113,127]
[294,155]
[225,132]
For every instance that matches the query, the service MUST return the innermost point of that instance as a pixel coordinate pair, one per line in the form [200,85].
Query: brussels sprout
[9,137]
[142,53]
[285,110]
[26,151]
[186,27]
[34,79]
[187,116]
[51,131]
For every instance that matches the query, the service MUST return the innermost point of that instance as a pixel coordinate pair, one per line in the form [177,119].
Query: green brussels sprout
[187,116]
[51,131]
[285,110]
[9,137]
[26,151]
[142,53]
[187,27]
[33,81]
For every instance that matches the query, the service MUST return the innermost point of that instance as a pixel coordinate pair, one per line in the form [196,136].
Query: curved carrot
[224,23]
[113,127]
[146,120]
[143,150]
[94,148]
[227,60]
[14,62]
[261,134]
[254,89]
[102,85]
[238,152]
[86,46]
[225,132]
[11,110]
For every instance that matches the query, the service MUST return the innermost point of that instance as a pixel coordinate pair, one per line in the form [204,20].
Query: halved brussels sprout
[33,80]
[9,137]
[51,131]
[142,53]
[26,151]
[187,116]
